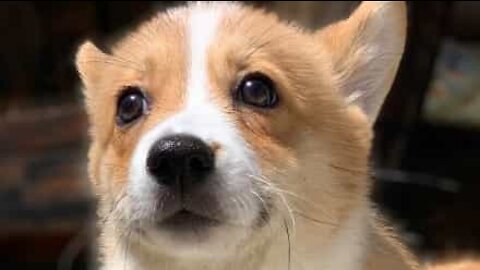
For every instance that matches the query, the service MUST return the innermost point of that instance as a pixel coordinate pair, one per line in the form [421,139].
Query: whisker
[244,208]
[257,46]
[114,59]
[264,205]
[337,167]
[114,63]
[139,40]
[289,210]
[280,195]
[114,206]
[129,233]
[289,244]
[128,56]
[315,220]
[238,208]
[262,201]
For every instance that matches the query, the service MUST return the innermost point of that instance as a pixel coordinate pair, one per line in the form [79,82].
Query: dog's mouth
[187,221]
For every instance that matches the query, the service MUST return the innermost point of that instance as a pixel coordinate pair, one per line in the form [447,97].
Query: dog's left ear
[89,61]
[366,50]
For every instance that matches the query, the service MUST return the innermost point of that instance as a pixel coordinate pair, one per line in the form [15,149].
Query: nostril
[200,163]
[162,169]
[160,166]
[196,164]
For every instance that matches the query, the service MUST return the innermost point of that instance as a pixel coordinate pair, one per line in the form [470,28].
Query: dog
[225,138]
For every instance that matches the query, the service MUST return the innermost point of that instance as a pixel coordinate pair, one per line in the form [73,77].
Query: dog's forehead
[190,30]
[190,53]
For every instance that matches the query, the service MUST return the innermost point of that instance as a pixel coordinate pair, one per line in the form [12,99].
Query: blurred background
[426,156]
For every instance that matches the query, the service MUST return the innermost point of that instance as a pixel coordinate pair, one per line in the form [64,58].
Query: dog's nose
[180,161]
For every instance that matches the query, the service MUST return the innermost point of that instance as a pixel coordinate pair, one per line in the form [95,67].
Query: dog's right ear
[89,61]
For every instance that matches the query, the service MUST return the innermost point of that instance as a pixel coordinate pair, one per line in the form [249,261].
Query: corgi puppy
[224,138]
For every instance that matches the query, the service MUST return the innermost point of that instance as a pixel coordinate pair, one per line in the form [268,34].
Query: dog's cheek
[272,135]
[109,173]
[94,163]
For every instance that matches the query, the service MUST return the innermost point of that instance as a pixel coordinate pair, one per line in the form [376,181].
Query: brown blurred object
[45,197]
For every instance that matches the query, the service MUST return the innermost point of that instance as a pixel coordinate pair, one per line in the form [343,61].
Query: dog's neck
[348,250]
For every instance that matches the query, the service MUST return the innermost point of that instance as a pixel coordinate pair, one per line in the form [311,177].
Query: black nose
[180,161]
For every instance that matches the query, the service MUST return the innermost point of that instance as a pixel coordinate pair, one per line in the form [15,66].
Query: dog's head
[215,125]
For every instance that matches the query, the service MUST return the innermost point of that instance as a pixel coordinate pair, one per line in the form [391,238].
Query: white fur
[203,27]
[349,248]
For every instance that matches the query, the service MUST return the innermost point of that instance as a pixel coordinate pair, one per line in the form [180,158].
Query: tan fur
[347,43]
[314,145]
[457,264]
[135,61]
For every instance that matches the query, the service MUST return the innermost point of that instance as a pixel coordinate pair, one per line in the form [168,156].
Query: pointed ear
[366,50]
[88,62]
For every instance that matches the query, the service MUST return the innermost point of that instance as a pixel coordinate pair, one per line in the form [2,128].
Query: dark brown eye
[257,90]
[131,105]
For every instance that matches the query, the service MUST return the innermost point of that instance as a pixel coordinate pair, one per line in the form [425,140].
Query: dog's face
[215,126]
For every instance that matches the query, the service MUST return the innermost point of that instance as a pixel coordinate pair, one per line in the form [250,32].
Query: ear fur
[87,62]
[366,50]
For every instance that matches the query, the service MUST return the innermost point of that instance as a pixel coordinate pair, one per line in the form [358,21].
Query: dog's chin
[189,235]
[185,222]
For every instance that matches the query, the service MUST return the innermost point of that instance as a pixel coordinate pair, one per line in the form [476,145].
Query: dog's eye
[131,105]
[257,90]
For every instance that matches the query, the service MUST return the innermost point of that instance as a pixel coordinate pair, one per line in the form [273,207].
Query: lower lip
[185,221]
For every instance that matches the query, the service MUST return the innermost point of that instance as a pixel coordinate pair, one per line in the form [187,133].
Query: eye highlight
[131,105]
[258,90]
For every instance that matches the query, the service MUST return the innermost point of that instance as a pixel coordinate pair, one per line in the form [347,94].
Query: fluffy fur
[291,183]
[456,264]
